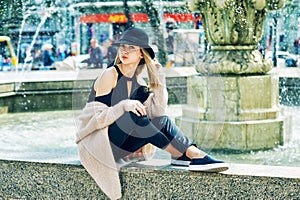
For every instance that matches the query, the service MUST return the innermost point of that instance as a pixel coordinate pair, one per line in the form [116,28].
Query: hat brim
[146,47]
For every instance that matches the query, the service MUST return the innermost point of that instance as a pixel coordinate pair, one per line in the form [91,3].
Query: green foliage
[10,14]
[156,28]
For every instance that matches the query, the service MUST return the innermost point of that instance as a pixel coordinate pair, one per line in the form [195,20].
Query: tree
[155,23]
[127,14]
[10,14]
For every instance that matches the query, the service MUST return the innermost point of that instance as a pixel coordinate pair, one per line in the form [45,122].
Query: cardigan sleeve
[97,115]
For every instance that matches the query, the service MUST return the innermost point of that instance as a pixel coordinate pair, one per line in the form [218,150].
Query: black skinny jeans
[131,132]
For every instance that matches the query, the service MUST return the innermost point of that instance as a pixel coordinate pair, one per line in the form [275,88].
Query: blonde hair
[153,81]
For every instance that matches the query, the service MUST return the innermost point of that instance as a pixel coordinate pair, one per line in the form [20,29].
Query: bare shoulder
[106,82]
[109,73]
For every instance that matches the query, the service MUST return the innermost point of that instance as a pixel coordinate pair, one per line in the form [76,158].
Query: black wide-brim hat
[136,37]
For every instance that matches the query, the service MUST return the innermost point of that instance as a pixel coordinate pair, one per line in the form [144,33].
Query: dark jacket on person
[111,54]
[96,57]
[48,59]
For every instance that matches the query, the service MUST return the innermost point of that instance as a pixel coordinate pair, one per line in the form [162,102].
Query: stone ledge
[154,179]
[237,135]
[39,86]
[69,90]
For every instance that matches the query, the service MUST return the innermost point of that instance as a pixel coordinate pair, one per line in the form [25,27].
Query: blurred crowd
[100,55]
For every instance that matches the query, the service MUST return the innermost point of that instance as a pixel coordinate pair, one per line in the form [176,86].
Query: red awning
[136,17]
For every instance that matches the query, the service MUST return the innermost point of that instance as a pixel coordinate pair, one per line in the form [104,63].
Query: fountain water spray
[27,58]
[20,35]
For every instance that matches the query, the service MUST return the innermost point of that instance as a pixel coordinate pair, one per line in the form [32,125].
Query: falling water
[20,35]
[43,20]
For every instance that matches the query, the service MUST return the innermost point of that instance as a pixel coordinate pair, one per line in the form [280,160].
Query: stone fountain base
[236,136]
[234,112]
[234,61]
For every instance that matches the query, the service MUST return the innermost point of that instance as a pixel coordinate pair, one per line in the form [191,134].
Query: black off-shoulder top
[120,92]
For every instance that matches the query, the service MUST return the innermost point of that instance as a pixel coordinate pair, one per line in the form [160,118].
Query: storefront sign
[136,17]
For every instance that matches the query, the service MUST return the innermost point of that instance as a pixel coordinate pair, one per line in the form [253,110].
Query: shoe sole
[219,167]
[180,163]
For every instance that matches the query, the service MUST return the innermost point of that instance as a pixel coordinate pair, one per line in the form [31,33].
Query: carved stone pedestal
[233,112]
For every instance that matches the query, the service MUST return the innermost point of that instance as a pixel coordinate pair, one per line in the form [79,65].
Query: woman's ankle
[193,152]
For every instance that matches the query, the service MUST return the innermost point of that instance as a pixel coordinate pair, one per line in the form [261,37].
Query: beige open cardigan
[93,143]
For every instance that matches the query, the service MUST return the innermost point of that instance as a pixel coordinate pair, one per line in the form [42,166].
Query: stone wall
[64,93]
[154,179]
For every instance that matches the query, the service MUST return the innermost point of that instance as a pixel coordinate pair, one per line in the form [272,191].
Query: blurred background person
[96,55]
[48,58]
[111,51]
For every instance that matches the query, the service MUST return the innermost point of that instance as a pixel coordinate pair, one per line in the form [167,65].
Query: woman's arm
[97,115]
[106,82]
[107,115]
[157,102]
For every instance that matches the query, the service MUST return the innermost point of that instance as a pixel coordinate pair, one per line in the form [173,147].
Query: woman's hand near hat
[157,64]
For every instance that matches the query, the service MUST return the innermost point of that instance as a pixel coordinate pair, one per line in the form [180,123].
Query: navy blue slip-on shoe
[208,164]
[181,161]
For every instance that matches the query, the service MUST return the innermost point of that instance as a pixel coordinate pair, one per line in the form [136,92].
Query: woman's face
[130,54]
